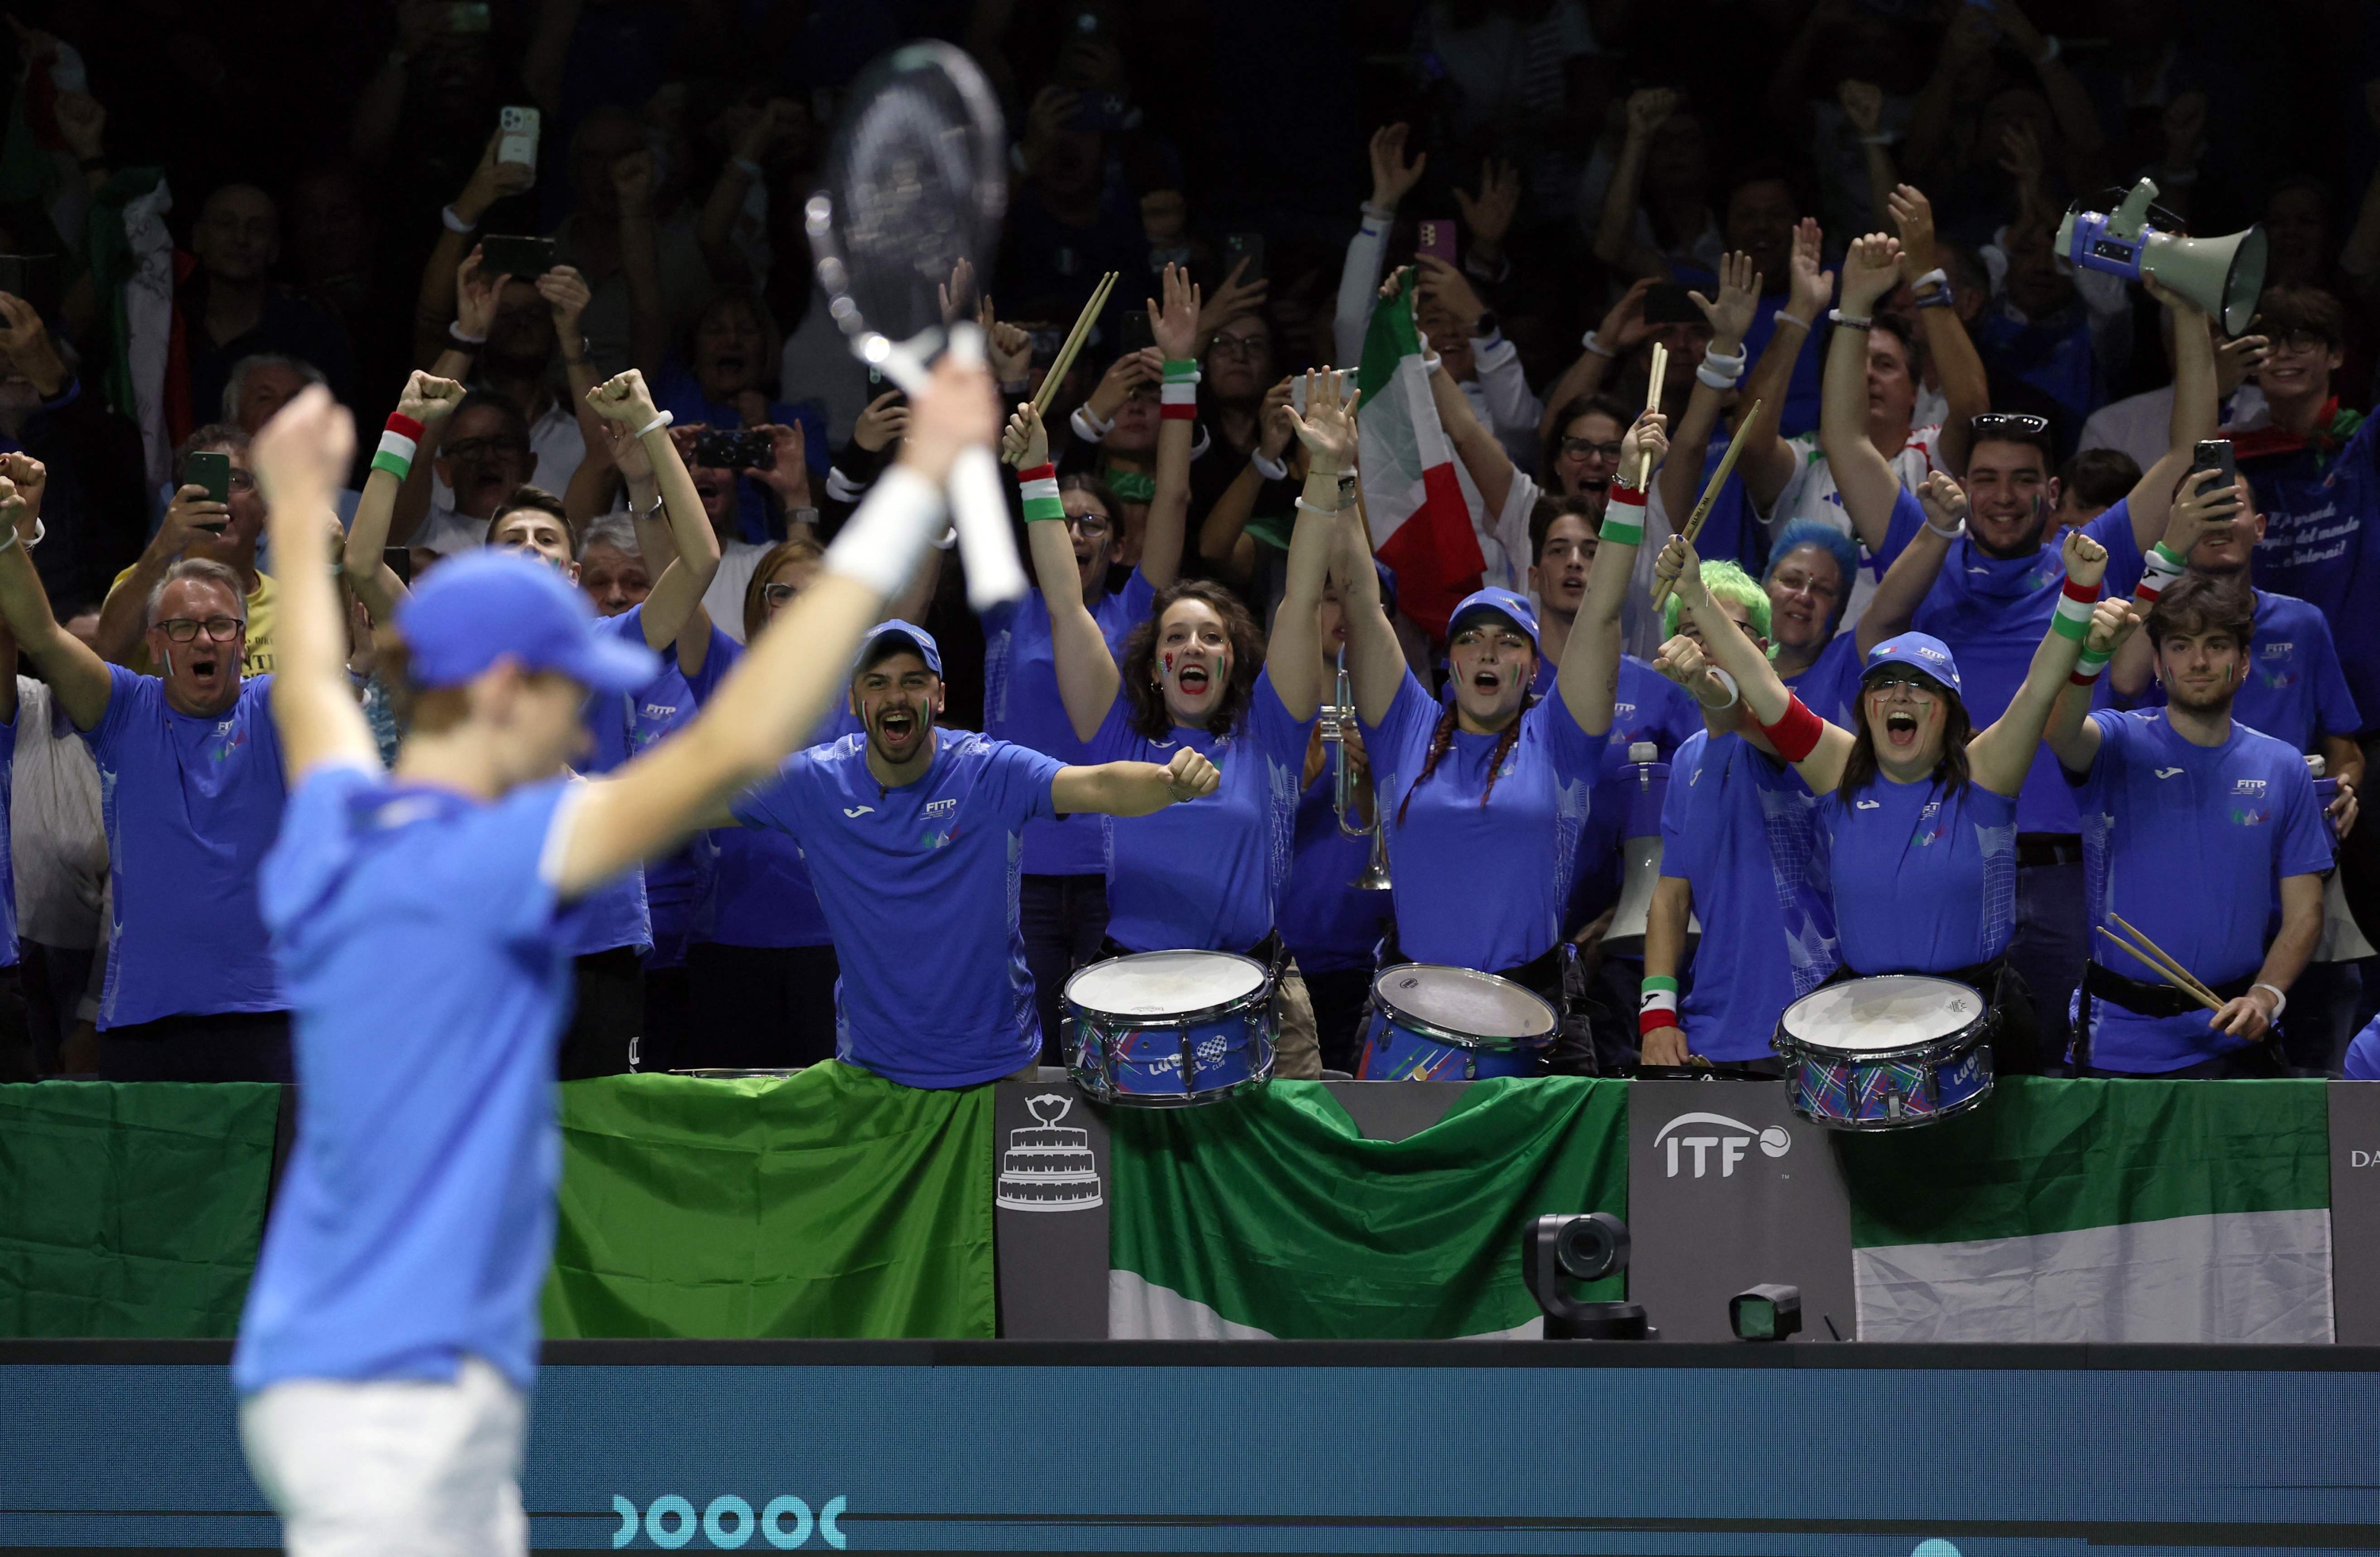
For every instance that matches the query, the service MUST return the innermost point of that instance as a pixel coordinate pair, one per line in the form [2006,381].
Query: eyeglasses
[2296,341]
[480,448]
[185,629]
[1888,683]
[1241,345]
[2008,424]
[1583,448]
[1090,527]
[1797,583]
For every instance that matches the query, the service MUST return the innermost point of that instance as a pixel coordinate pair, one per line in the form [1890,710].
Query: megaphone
[1641,855]
[2223,275]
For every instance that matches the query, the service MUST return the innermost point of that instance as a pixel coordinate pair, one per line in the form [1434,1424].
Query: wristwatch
[803,516]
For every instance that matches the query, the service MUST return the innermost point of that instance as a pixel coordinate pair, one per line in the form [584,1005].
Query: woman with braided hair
[1485,796]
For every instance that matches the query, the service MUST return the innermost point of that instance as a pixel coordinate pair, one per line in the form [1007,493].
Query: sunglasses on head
[2008,424]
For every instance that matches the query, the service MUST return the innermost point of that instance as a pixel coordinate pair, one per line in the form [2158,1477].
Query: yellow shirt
[258,661]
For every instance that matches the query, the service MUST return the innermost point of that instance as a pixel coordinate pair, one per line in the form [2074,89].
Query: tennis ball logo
[1775,1142]
[784,1523]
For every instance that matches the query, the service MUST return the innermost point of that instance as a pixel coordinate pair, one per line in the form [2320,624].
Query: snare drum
[1431,1022]
[1165,1029]
[1886,1053]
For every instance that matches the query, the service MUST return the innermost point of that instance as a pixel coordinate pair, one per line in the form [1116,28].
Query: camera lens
[1592,1247]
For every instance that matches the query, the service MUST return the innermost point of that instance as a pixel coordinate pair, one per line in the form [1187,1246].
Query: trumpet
[1333,721]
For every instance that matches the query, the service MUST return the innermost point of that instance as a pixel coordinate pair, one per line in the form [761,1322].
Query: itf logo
[729,1522]
[1774,1142]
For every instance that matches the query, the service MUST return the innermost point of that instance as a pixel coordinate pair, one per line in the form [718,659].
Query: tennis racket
[915,185]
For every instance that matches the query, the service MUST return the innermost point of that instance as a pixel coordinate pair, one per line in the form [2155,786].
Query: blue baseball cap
[494,604]
[896,637]
[1921,652]
[1493,602]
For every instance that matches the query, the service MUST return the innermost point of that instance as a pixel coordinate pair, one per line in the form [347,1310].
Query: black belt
[2049,848]
[2144,999]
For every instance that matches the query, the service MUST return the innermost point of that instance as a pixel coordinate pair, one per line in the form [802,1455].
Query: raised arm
[1966,387]
[1730,316]
[426,402]
[2196,414]
[794,669]
[1863,104]
[1133,789]
[1766,699]
[78,678]
[1768,462]
[1910,578]
[1588,678]
[679,590]
[2070,735]
[1376,660]
[1649,109]
[1087,678]
[1999,758]
[434,307]
[301,458]
[1865,478]
[1622,331]
[1175,323]
[1293,653]
[1392,179]
[1491,468]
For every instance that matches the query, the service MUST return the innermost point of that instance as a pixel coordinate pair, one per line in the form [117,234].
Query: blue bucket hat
[491,605]
[1493,602]
[1928,655]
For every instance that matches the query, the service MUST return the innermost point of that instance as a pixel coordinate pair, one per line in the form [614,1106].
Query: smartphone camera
[736,448]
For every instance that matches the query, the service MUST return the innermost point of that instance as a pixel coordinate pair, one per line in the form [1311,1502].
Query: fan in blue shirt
[190,775]
[1917,820]
[906,826]
[414,1223]
[2204,835]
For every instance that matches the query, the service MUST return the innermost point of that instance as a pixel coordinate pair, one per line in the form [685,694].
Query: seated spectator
[232,308]
[196,528]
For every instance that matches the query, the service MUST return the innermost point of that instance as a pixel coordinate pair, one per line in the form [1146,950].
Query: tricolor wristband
[1039,486]
[1179,397]
[2162,568]
[2074,617]
[2087,668]
[1657,1007]
[398,444]
[1624,517]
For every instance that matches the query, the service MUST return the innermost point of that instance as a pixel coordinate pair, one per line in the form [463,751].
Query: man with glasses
[485,454]
[196,526]
[190,768]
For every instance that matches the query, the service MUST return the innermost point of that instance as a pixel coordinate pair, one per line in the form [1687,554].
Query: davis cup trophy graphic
[1049,1167]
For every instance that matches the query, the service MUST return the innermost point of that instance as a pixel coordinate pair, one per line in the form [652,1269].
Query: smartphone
[2213,453]
[1346,377]
[1136,334]
[1437,239]
[516,137]
[34,277]
[524,256]
[469,16]
[211,469]
[734,448]
[1244,246]
[1667,303]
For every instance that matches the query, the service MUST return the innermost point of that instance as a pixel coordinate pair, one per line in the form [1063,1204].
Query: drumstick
[1073,344]
[2192,980]
[1652,403]
[1693,527]
[2192,989]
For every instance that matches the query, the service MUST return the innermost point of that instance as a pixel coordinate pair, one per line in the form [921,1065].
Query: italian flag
[1421,527]
[1268,1216]
[2099,1211]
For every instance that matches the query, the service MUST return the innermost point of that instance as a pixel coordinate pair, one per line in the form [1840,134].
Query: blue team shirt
[191,805]
[1741,829]
[414,1224]
[2295,690]
[1482,886]
[2189,843]
[1922,882]
[753,887]
[1209,875]
[1326,923]
[1829,685]
[1992,614]
[1646,706]
[919,886]
[1021,704]
[2320,546]
[2363,1054]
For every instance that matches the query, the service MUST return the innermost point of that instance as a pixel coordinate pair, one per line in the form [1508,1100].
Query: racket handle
[987,544]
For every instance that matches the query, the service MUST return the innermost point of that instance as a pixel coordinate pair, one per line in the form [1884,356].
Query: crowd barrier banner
[131,1211]
[831,1202]
[2354,1109]
[2100,1210]
[1272,1215]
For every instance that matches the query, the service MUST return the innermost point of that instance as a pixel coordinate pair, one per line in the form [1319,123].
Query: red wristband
[1178,410]
[1046,470]
[2088,595]
[399,422]
[1654,1018]
[1626,495]
[1795,734]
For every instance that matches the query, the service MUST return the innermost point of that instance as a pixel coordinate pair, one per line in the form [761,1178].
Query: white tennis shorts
[391,1466]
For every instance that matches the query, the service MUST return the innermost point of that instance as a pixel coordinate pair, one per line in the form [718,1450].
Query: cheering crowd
[1972,655]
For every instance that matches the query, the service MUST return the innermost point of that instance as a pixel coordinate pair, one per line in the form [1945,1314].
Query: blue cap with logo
[1493,602]
[492,605]
[1928,655]
[896,637]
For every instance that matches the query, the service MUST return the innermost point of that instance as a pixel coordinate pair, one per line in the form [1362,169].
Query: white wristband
[881,543]
[1594,343]
[2280,1001]
[1087,424]
[1719,371]
[1734,691]
[455,224]
[456,330]
[661,419]
[1271,470]
[1784,318]
[1952,533]
[1935,277]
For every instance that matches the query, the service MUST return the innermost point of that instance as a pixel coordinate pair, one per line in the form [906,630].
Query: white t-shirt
[2142,425]
[1811,493]
[725,599]
[58,838]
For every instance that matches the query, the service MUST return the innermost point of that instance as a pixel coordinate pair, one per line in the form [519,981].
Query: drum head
[1876,1015]
[1165,983]
[1462,1000]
